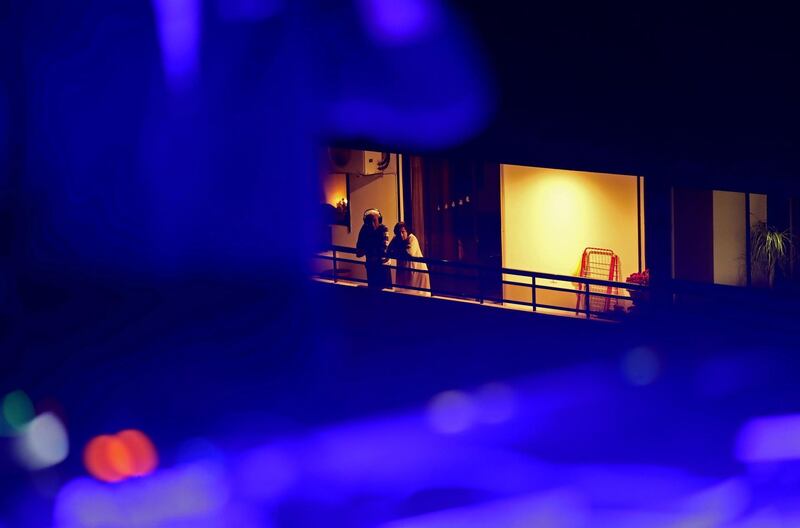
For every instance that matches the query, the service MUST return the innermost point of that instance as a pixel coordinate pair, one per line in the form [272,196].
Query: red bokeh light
[113,458]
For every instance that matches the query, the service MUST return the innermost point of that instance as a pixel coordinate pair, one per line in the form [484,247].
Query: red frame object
[603,264]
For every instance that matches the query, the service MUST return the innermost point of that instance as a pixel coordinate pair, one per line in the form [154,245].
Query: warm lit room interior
[550,216]
[352,182]
[545,219]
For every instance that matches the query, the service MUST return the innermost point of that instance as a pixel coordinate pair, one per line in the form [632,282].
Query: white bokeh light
[43,442]
[451,412]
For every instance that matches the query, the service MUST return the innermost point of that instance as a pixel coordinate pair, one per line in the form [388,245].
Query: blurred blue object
[395,471]
[161,203]
[174,139]
[196,492]
[179,23]
[250,10]
[401,21]
[769,439]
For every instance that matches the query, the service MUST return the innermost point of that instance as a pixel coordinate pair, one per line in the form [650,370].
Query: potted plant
[643,279]
[770,250]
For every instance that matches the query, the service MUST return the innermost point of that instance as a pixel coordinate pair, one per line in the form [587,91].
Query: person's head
[372,218]
[400,230]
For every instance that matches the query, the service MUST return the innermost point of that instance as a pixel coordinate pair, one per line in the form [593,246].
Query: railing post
[533,293]
[588,302]
[334,265]
[480,287]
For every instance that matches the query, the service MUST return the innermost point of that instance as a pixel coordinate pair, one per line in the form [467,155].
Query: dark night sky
[635,88]
[630,88]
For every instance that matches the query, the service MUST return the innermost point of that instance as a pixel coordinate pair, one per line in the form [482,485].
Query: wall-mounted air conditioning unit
[357,162]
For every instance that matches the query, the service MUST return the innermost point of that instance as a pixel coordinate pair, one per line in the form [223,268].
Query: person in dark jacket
[373,239]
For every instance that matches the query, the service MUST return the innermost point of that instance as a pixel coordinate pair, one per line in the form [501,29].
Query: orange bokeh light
[143,453]
[112,458]
[95,458]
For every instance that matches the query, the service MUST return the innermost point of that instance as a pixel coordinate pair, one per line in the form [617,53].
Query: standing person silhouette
[373,240]
[410,274]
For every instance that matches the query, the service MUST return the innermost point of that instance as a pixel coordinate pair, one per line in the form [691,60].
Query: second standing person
[410,273]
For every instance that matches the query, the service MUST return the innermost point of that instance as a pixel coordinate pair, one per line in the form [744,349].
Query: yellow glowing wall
[334,188]
[549,216]
[729,238]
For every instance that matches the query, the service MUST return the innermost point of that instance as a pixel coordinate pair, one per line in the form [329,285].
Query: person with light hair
[412,276]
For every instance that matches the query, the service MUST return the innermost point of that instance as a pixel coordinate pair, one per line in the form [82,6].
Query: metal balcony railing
[584,289]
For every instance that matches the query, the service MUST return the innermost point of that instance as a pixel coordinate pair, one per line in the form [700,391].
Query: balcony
[590,298]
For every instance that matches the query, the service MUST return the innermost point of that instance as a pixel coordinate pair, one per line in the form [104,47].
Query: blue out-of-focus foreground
[397,263]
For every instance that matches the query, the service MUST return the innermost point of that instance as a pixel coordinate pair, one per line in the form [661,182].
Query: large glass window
[711,231]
